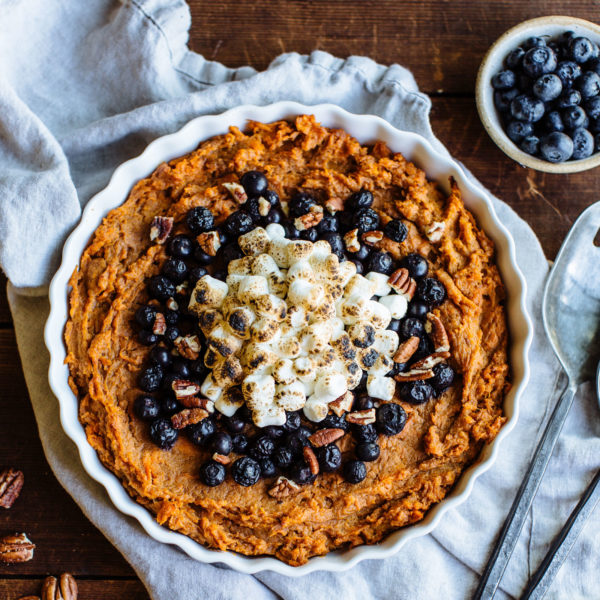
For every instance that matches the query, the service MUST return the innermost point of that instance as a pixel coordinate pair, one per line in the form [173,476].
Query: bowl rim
[484,92]
[170,146]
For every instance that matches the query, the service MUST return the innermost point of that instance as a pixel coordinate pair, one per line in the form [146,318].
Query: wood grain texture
[106,589]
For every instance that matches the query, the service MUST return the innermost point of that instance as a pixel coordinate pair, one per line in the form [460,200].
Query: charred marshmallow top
[293,328]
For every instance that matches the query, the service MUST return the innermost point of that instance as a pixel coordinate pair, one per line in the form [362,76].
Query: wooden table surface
[442,42]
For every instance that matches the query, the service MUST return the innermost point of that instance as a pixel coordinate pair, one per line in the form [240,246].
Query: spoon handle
[543,577]
[515,519]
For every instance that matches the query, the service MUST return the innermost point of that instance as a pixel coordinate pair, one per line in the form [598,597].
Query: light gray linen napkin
[85,86]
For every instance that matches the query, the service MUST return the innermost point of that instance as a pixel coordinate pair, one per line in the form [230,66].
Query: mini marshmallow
[382,287]
[382,388]
[320,250]
[265,265]
[222,339]
[283,371]
[278,251]
[228,372]
[326,360]
[378,314]
[296,317]
[386,342]
[301,270]
[210,390]
[347,271]
[264,330]
[359,287]
[382,366]
[353,309]
[208,319]
[298,250]
[333,384]
[229,401]
[271,306]
[211,358]
[259,391]
[275,231]
[208,293]
[316,336]
[344,347]
[251,287]
[362,334]
[254,242]
[233,282]
[354,375]
[256,358]
[240,266]
[315,410]
[396,304]
[290,396]
[326,311]
[240,320]
[274,415]
[288,347]
[306,294]
[304,368]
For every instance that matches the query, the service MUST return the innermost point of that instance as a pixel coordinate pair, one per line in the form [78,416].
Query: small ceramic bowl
[546,27]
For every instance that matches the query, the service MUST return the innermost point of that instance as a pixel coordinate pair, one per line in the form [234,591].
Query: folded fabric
[85,86]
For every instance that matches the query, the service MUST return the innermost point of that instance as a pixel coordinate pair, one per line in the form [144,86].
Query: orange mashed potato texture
[416,469]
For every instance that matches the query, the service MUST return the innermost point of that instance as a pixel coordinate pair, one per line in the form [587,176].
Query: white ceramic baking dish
[367,129]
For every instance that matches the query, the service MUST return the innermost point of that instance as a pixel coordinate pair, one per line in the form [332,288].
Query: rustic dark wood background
[442,42]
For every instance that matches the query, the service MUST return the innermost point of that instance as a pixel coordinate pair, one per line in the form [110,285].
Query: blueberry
[300,204]
[336,242]
[221,443]
[198,369]
[200,433]
[311,235]
[362,384]
[181,246]
[267,467]
[262,447]
[146,408]
[416,264]
[328,224]
[302,474]
[230,252]
[553,122]
[574,117]
[416,392]
[234,424]
[345,218]
[530,145]
[525,83]
[240,442]
[171,334]
[425,349]
[181,368]
[588,84]
[431,291]
[583,143]
[296,440]
[212,473]
[150,378]
[363,253]
[504,80]
[391,419]
[292,421]
[274,216]
[252,208]
[161,288]
[271,196]
[514,58]
[332,421]
[380,262]
[360,199]
[291,232]
[283,457]
[534,42]
[396,230]
[367,451]
[160,356]
[409,327]
[175,269]
[360,269]
[274,431]
[145,316]
[568,71]
[395,324]
[547,87]
[364,433]
[354,471]
[199,220]
[569,98]
[597,142]
[163,434]
[581,49]
[502,99]
[254,183]
[442,378]
[539,60]
[365,219]
[363,402]
[594,125]
[417,309]
[238,223]
[517,130]
[172,316]
[196,273]
[169,406]
[245,471]
[526,108]
[329,457]
[592,107]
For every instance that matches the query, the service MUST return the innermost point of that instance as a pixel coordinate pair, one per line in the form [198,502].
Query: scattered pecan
[334,205]
[322,437]
[414,375]
[188,416]
[221,458]
[351,241]
[435,232]
[188,346]
[16,548]
[171,304]
[11,483]
[195,402]
[406,349]
[312,218]
[210,242]
[264,206]
[311,459]
[372,237]
[64,588]
[184,388]
[361,417]
[439,336]
[237,192]
[283,488]
[430,361]
[160,228]
[182,288]
[160,324]
[342,404]
[402,283]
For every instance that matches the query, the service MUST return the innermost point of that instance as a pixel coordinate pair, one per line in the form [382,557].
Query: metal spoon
[571,313]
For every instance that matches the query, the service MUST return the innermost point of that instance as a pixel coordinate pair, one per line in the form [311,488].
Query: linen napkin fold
[89,86]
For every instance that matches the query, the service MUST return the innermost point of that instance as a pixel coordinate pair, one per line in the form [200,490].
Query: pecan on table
[16,548]
[11,483]
[64,588]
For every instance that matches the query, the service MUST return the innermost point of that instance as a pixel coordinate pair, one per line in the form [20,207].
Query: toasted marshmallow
[382,388]
[343,344]
[290,396]
[233,282]
[378,314]
[315,337]
[304,368]
[256,358]
[264,330]
[305,294]
[265,266]
[274,415]
[208,319]
[283,371]
[333,384]
[228,372]
[254,242]
[347,271]
[353,309]
[222,339]
[259,391]
[386,342]
[229,401]
[210,389]
[251,287]
[296,317]
[382,366]
[362,334]
[382,287]
[298,250]
[354,375]
[301,269]
[240,320]
[359,287]
[208,293]
[326,310]
[275,231]
[240,266]
[315,409]
[288,347]
[278,252]
[396,304]
[270,306]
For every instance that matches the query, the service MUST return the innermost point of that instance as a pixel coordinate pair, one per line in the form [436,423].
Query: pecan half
[237,192]
[325,436]
[351,241]
[160,228]
[372,237]
[160,324]
[361,417]
[264,207]
[188,346]
[402,283]
[195,402]
[406,349]
[63,589]
[438,332]
[334,205]
[171,304]
[312,218]
[430,361]
[342,404]
[221,458]
[435,231]
[184,388]
[188,416]
[311,459]
[283,488]
[11,483]
[16,548]
[182,288]
[210,242]
[414,375]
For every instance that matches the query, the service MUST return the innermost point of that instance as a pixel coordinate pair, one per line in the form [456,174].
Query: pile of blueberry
[267,452]
[548,97]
